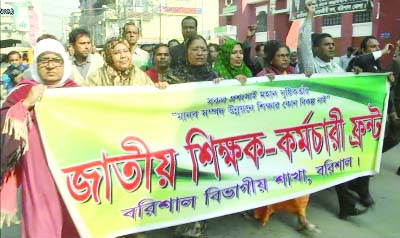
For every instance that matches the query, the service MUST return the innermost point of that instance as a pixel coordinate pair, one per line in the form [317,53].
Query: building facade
[159,20]
[348,29]
[20,20]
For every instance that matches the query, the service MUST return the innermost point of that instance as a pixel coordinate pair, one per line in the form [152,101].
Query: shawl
[192,73]
[168,76]
[108,76]
[119,77]
[222,63]
[275,71]
[15,123]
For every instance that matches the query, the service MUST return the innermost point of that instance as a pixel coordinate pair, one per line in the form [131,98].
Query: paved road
[382,221]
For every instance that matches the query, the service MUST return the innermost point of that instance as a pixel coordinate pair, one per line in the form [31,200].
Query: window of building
[261,16]
[360,17]
[331,20]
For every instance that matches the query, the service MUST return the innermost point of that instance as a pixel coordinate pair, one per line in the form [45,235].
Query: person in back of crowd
[173,42]
[161,72]
[395,64]
[293,59]
[119,69]
[213,50]
[16,68]
[229,63]
[395,68]
[25,60]
[140,57]
[23,161]
[70,51]
[259,57]
[189,28]
[345,59]
[254,66]
[83,61]
[277,63]
[4,61]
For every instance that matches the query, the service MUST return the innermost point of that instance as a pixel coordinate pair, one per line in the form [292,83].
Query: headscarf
[223,66]
[54,46]
[113,73]
[194,73]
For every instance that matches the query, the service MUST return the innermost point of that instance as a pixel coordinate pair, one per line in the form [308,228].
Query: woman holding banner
[196,68]
[229,63]
[277,60]
[277,63]
[118,69]
[23,160]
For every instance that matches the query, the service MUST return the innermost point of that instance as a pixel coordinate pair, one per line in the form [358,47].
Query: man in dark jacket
[189,28]
[366,60]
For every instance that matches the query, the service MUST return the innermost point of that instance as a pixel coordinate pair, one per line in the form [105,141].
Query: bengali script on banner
[131,159]
[328,7]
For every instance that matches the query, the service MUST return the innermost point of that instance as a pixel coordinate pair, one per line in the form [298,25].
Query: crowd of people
[124,63]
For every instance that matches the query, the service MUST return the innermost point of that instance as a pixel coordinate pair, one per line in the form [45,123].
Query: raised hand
[309,7]
[388,47]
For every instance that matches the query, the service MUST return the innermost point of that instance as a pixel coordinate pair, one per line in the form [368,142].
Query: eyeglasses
[283,55]
[199,50]
[43,62]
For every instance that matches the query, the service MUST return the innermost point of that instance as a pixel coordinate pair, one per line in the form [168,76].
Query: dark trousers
[347,200]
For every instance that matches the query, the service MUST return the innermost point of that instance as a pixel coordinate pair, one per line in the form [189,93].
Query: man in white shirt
[140,58]
[322,45]
[83,62]
[345,59]
[323,48]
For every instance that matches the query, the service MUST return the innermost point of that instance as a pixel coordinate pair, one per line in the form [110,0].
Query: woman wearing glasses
[277,60]
[229,63]
[22,156]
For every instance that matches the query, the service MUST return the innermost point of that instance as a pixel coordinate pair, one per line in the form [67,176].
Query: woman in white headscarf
[22,157]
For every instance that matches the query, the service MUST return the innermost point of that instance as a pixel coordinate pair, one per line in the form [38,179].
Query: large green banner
[130,159]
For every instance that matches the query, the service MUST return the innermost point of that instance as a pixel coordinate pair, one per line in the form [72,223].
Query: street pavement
[381,221]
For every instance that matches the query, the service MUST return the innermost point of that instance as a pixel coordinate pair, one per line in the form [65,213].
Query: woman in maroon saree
[22,157]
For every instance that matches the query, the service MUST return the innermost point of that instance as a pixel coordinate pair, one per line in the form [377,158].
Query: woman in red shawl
[22,157]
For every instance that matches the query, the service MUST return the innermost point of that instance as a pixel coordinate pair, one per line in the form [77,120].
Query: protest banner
[131,159]
[327,7]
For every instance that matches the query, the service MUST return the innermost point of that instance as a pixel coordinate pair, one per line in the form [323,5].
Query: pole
[160,24]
